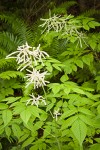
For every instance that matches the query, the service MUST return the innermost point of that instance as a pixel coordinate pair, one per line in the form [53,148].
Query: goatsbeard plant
[67,111]
[28,58]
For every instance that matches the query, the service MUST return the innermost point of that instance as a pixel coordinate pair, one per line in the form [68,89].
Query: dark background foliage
[30,10]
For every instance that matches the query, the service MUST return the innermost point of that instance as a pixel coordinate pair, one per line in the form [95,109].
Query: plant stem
[81,147]
[46,98]
[58,144]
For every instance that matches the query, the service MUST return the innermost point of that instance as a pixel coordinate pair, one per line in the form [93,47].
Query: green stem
[81,147]
[46,99]
[52,117]
[59,147]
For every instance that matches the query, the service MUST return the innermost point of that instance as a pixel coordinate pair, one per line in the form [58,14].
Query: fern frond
[12,83]
[9,41]
[11,74]
[7,63]
[90,13]
[3,52]
[18,27]
[55,48]
[36,32]
[62,9]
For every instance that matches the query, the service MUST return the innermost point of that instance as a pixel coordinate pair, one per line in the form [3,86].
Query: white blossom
[81,39]
[38,55]
[57,23]
[36,100]
[26,56]
[23,57]
[36,78]
[51,23]
[25,65]
[22,54]
[56,114]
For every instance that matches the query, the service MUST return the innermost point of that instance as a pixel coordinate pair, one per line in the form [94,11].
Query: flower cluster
[70,27]
[36,100]
[22,56]
[36,78]
[56,114]
[27,55]
[56,23]
[38,55]
[28,58]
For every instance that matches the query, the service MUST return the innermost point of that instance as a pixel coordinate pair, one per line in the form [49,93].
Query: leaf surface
[25,115]
[79,130]
[6,116]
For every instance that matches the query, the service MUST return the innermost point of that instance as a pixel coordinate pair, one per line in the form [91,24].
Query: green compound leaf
[8,131]
[68,113]
[49,66]
[35,147]
[98,109]
[49,106]
[79,130]
[56,88]
[77,90]
[19,107]
[23,137]
[28,141]
[69,122]
[64,78]
[85,111]
[10,100]
[35,111]
[86,27]
[47,131]
[95,147]
[56,66]
[67,90]
[93,24]
[16,130]
[3,106]
[25,115]
[86,120]
[79,63]
[92,44]
[87,59]
[38,125]
[6,116]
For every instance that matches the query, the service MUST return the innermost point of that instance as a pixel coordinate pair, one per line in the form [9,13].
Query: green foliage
[70,120]
[18,32]
[91,12]
[64,6]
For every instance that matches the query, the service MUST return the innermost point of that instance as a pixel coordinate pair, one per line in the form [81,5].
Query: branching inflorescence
[28,58]
[66,25]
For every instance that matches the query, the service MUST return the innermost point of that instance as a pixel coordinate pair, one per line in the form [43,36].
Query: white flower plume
[56,23]
[36,100]
[26,54]
[22,54]
[38,54]
[56,114]
[36,78]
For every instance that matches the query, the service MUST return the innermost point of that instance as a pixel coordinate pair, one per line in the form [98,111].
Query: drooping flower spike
[38,55]
[27,56]
[36,100]
[36,78]
[22,54]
